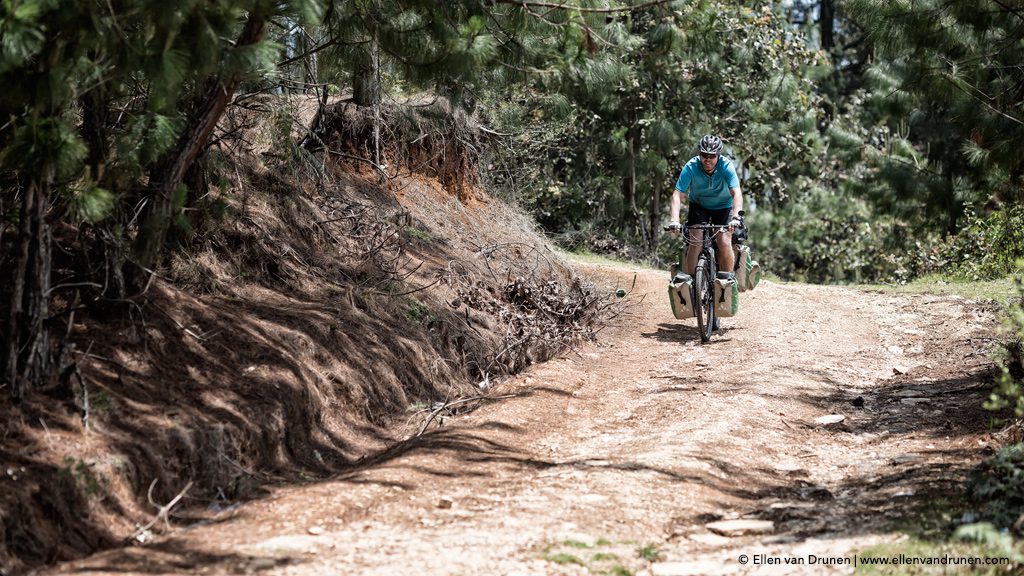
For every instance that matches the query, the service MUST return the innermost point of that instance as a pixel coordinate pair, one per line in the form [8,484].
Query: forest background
[878,141]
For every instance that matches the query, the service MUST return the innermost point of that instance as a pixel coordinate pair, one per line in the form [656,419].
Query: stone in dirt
[741,527]
[907,392]
[915,400]
[829,419]
[709,539]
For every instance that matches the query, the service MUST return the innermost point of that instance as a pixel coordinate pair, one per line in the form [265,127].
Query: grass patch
[421,235]
[915,548]
[932,533]
[999,290]
[416,311]
[613,559]
[650,552]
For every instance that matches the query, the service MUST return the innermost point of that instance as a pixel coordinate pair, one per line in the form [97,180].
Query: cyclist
[714,196]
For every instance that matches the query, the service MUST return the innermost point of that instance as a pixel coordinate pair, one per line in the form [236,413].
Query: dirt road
[624,457]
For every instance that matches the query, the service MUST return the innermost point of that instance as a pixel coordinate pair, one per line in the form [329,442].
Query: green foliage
[660,79]
[416,311]
[990,246]
[998,485]
[649,552]
[1009,360]
[827,237]
[91,205]
[81,474]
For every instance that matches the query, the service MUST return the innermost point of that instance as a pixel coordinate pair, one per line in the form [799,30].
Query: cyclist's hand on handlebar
[674,228]
[736,222]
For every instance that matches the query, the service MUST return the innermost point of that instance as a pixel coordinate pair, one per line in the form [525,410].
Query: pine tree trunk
[629,187]
[95,118]
[655,218]
[827,16]
[366,90]
[310,63]
[167,174]
[27,358]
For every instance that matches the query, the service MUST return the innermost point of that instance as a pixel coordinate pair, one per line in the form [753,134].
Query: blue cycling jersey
[709,190]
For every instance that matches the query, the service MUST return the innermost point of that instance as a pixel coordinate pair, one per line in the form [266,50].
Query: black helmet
[710,144]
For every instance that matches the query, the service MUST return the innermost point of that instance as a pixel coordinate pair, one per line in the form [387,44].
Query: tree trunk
[827,17]
[629,185]
[366,89]
[95,118]
[629,215]
[655,218]
[167,175]
[310,64]
[27,358]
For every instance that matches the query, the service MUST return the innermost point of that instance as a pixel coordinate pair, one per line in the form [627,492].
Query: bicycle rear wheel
[704,299]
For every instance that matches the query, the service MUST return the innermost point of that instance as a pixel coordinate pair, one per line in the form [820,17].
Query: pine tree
[956,88]
[169,70]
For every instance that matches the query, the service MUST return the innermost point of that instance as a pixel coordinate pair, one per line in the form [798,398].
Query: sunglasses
[704,156]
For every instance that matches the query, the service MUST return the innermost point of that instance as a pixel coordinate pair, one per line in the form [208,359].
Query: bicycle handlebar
[700,227]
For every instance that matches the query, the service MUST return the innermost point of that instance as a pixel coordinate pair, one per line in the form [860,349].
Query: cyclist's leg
[726,259]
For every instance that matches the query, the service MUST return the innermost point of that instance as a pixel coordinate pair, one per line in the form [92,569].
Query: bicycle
[703,290]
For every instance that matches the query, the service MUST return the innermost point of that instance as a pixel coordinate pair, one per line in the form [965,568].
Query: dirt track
[620,455]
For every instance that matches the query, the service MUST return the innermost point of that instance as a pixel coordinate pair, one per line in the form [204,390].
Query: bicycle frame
[704,275]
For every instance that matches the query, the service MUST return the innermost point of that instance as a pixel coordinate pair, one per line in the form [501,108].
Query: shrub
[988,246]
[1008,359]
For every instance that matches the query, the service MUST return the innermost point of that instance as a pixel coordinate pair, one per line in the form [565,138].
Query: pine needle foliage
[661,77]
[959,65]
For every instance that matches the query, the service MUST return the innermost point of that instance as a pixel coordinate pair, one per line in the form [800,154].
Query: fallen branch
[447,405]
[162,511]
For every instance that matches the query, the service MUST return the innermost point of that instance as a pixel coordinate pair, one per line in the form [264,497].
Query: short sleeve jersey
[709,190]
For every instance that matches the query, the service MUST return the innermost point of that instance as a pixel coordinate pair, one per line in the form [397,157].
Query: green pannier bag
[680,294]
[727,298]
[748,271]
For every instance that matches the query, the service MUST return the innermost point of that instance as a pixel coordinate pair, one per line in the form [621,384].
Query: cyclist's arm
[682,183]
[733,181]
[737,201]
[675,205]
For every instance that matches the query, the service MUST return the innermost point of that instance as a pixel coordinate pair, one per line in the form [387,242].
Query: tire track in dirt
[619,455]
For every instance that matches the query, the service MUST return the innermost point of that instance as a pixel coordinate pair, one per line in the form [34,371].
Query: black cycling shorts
[701,215]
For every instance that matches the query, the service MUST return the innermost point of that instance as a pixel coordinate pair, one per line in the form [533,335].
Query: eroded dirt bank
[618,457]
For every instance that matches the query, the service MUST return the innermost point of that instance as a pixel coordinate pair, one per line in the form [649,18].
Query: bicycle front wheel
[704,299]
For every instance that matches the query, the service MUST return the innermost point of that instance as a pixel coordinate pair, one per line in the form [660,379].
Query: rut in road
[619,456]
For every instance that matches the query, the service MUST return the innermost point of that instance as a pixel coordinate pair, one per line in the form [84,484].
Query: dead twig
[162,511]
[448,405]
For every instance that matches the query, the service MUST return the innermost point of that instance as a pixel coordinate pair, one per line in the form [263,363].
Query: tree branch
[529,5]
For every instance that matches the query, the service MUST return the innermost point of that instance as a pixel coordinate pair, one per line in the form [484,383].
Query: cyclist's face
[708,161]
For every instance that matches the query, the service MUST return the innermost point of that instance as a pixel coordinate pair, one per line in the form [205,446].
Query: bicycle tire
[704,299]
